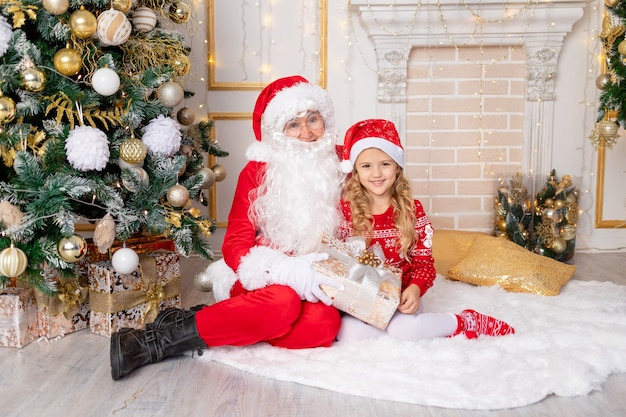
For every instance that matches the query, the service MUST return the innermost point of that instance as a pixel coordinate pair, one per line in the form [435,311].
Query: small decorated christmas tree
[88,132]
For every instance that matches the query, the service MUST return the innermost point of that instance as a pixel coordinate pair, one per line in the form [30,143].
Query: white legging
[418,326]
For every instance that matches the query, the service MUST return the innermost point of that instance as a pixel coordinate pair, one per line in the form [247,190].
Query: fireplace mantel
[540,26]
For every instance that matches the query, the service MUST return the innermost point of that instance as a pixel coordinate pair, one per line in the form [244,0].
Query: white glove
[298,273]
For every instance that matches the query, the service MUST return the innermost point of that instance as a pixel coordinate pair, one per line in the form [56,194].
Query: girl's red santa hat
[371,133]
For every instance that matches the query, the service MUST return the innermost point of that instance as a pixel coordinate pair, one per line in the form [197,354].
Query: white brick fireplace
[470,85]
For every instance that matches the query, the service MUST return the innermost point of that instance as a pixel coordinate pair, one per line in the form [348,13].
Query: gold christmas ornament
[33,79]
[608,129]
[133,186]
[7,109]
[144,19]
[133,151]
[170,93]
[67,61]
[83,23]
[179,12]
[502,225]
[611,3]
[603,81]
[114,28]
[568,232]
[123,6]
[181,64]
[558,245]
[208,177]
[56,7]
[202,282]
[220,172]
[72,249]
[185,116]
[177,195]
[13,262]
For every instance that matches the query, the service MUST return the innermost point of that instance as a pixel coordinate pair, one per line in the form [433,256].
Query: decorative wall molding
[540,26]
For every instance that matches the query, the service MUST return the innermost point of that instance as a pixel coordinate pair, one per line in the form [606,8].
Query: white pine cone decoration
[87,148]
[162,136]
[5,35]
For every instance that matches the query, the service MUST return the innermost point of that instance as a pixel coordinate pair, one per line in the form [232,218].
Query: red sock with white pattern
[472,324]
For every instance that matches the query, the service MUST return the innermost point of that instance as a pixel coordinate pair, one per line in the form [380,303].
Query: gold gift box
[133,300]
[371,294]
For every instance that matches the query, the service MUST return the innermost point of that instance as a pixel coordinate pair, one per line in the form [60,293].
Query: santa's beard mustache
[299,198]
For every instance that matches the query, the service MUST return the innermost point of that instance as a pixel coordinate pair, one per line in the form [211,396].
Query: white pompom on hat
[371,133]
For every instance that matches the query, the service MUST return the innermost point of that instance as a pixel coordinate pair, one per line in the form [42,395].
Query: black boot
[173,332]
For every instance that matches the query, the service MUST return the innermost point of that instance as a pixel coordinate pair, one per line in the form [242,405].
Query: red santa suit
[287,195]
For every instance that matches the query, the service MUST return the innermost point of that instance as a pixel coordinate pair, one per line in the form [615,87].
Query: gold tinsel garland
[142,53]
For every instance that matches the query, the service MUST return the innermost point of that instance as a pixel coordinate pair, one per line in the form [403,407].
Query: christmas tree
[610,82]
[88,133]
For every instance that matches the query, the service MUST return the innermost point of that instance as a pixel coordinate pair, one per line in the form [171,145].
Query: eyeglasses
[294,127]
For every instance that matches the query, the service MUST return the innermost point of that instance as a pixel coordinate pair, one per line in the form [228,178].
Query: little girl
[378,204]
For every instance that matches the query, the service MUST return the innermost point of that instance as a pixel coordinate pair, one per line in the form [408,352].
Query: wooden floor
[71,377]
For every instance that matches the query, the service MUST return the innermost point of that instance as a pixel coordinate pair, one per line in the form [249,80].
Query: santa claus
[287,196]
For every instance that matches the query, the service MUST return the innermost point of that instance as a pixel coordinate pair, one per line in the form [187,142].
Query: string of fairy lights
[524,12]
[358,54]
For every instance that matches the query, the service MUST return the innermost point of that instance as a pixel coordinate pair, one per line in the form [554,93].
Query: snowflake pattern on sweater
[420,268]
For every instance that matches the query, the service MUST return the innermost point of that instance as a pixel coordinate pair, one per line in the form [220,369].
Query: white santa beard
[298,200]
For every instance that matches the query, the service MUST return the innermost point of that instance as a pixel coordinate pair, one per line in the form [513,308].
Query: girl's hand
[410,300]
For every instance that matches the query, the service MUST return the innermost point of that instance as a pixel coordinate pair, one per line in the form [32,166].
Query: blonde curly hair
[403,205]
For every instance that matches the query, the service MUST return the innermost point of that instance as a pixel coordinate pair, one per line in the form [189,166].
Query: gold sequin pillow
[450,246]
[497,261]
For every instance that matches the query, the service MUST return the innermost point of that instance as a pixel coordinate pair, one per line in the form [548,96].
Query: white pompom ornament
[113,27]
[144,19]
[125,260]
[87,148]
[162,136]
[6,31]
[105,81]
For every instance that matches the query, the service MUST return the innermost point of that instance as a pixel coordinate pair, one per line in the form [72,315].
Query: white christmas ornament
[162,136]
[144,19]
[87,148]
[113,27]
[125,260]
[105,81]
[5,35]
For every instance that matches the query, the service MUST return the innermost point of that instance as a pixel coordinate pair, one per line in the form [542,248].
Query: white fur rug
[565,345]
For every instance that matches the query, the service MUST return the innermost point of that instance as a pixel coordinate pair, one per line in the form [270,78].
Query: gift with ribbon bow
[133,300]
[65,312]
[371,288]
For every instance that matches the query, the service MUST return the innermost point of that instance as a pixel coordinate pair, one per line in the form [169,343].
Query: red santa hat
[371,133]
[288,98]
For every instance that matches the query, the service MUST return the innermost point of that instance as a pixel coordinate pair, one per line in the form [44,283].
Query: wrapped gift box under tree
[371,289]
[18,317]
[67,310]
[133,300]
